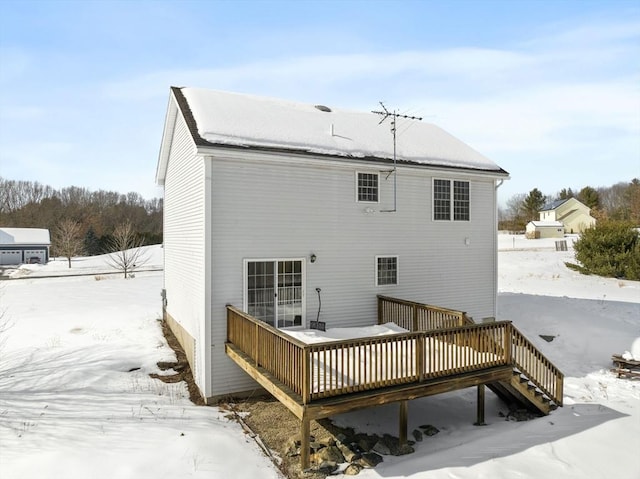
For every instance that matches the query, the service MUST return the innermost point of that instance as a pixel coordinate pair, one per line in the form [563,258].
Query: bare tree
[126,249]
[68,240]
[512,218]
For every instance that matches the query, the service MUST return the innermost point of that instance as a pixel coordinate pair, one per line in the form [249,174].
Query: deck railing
[334,368]
[346,366]
[278,353]
[417,316]
[536,367]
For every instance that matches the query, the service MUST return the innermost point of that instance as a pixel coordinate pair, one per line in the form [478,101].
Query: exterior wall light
[313,257]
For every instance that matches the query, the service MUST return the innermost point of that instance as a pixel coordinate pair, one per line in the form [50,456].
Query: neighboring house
[575,216]
[292,211]
[544,229]
[24,245]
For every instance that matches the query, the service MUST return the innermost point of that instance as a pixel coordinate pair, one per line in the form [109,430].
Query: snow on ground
[73,404]
[151,259]
[76,399]
[596,434]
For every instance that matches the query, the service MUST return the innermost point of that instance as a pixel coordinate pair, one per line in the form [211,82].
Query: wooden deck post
[404,407]
[480,419]
[305,443]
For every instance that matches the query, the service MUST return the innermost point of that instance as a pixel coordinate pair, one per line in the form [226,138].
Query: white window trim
[451,201]
[375,267]
[377,173]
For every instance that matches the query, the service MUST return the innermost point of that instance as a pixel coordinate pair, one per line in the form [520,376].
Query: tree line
[620,202]
[92,218]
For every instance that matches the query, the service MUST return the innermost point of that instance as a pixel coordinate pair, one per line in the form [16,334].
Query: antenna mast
[386,114]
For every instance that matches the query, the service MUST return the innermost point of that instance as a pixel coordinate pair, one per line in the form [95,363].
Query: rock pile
[353,452]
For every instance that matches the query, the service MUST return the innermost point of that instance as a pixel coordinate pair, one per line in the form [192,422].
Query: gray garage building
[24,245]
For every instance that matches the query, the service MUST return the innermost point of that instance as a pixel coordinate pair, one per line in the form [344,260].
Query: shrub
[610,249]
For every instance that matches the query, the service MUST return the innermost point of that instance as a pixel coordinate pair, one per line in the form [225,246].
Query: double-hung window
[451,200]
[386,270]
[367,187]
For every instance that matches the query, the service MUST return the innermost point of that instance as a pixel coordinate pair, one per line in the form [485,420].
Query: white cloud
[567,96]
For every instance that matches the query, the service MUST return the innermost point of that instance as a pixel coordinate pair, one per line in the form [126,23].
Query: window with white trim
[386,270]
[367,187]
[451,199]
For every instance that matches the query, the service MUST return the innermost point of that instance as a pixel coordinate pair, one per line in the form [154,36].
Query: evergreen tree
[611,248]
[565,194]
[589,196]
[92,243]
[532,204]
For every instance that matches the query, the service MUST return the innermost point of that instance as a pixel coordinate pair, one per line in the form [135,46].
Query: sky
[549,90]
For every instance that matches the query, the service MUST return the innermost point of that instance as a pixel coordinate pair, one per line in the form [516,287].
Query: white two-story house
[295,212]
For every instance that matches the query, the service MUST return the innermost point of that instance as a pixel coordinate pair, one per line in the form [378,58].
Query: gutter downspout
[495,247]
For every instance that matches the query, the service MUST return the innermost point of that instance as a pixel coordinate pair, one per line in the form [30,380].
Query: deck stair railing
[532,367]
[536,368]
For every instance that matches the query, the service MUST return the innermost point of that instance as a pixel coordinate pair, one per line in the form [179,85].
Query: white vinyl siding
[263,209]
[184,240]
[269,209]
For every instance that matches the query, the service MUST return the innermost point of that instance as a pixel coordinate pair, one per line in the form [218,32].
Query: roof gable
[554,205]
[222,119]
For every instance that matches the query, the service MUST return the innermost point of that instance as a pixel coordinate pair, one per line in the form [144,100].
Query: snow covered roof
[226,119]
[24,236]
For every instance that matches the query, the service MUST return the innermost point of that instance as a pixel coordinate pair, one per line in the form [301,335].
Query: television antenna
[394,116]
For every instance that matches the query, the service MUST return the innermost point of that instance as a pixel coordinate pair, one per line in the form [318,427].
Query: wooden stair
[520,391]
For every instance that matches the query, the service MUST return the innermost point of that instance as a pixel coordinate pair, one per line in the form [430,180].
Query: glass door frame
[245,287]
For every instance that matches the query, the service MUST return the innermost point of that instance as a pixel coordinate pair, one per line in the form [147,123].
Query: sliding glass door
[274,291]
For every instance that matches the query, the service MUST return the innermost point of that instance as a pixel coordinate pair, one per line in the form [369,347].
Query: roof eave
[207,148]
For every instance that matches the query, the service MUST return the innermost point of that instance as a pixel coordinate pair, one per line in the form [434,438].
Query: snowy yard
[76,399]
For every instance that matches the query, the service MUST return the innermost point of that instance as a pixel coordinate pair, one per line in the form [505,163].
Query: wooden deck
[443,351]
